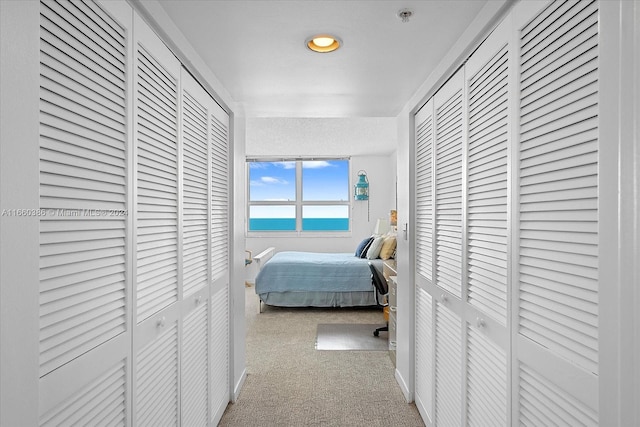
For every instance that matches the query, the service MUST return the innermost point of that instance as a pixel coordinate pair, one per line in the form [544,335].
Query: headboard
[264,256]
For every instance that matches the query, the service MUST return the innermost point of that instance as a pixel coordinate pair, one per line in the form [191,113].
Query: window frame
[298,203]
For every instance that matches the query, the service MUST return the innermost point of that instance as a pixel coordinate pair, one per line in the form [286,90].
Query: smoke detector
[404,14]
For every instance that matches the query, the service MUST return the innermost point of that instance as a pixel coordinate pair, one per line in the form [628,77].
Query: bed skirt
[319,299]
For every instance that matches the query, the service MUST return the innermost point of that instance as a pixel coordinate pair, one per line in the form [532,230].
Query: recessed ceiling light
[323,43]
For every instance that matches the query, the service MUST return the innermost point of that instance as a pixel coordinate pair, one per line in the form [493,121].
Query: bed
[312,279]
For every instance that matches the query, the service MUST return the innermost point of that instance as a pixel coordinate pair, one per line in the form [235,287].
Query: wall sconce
[361,189]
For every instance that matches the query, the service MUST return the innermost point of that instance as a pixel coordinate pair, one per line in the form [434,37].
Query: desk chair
[381,290]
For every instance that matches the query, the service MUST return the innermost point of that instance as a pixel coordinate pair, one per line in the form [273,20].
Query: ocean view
[308,224]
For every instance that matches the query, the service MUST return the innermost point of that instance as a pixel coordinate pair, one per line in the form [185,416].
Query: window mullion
[298,196]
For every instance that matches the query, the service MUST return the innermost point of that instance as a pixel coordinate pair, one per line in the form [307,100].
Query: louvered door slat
[195,194]
[220,351]
[448,196]
[448,369]
[101,402]
[424,192]
[555,29]
[542,403]
[157,204]
[195,367]
[424,351]
[82,161]
[487,184]
[87,44]
[157,381]
[220,195]
[86,33]
[558,170]
[486,382]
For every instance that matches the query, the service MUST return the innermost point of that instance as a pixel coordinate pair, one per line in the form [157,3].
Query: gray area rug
[354,336]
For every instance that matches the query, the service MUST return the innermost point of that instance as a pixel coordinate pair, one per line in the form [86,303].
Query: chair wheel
[376,333]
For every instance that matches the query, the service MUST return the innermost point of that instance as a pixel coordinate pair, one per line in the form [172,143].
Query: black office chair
[381,292]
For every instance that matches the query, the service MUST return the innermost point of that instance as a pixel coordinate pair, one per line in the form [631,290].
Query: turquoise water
[308,224]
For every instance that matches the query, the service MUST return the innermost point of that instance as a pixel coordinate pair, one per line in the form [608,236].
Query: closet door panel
[424,354]
[83,181]
[196,344]
[424,193]
[448,367]
[158,316]
[448,171]
[157,246]
[157,376]
[487,177]
[488,228]
[219,364]
[195,184]
[556,349]
[544,403]
[220,190]
[195,372]
[101,401]
[487,398]
[424,226]
[220,178]
[558,280]
[85,283]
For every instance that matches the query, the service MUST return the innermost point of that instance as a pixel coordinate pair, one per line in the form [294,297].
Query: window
[299,195]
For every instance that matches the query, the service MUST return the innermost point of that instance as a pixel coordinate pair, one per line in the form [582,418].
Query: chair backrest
[379,282]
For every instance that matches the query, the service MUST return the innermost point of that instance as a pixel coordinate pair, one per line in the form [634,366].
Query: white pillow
[374,249]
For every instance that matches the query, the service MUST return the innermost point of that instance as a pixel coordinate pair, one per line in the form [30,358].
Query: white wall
[353,136]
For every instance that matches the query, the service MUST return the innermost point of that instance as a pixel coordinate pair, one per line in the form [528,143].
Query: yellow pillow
[388,247]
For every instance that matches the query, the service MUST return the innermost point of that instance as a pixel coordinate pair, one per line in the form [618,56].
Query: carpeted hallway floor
[290,383]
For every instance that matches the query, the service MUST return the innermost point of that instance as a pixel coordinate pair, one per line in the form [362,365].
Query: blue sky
[322,180]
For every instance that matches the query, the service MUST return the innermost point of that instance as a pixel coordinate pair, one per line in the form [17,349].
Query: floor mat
[354,336]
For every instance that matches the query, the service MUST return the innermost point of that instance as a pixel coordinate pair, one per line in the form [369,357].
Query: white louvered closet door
[84,282]
[556,346]
[220,258]
[448,198]
[462,200]
[488,85]
[197,105]
[424,384]
[157,239]
[448,132]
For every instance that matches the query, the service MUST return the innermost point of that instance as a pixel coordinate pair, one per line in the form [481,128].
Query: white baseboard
[238,386]
[408,394]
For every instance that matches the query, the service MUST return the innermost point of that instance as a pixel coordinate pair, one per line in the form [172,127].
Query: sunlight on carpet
[354,336]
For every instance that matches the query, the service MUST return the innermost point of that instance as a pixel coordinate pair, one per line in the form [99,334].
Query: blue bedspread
[311,271]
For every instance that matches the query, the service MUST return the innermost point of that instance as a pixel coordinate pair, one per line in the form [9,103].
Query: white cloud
[272,180]
[316,164]
[287,165]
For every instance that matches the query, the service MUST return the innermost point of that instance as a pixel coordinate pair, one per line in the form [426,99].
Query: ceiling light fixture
[323,43]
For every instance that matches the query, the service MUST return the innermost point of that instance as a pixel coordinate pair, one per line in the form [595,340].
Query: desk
[389,271]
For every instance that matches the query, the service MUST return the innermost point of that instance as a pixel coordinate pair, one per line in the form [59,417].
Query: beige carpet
[290,383]
[351,336]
